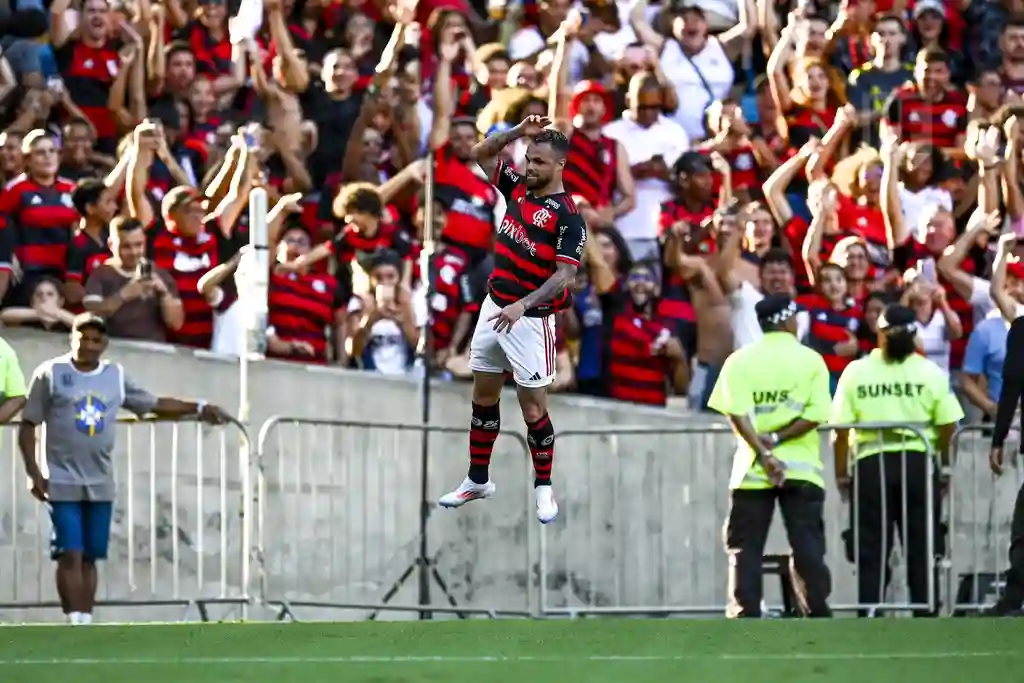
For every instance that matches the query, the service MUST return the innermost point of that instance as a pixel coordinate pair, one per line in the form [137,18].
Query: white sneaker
[468,490]
[547,508]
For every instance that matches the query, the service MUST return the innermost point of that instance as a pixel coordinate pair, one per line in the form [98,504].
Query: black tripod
[424,566]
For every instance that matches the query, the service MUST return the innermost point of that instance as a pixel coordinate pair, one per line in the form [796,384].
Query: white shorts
[528,349]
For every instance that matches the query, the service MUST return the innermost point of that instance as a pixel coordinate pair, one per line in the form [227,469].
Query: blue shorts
[82,527]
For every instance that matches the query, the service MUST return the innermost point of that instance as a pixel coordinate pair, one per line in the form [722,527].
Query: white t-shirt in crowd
[745,327]
[528,41]
[664,138]
[981,300]
[228,326]
[390,352]
[726,8]
[934,336]
[918,204]
[694,98]
[612,45]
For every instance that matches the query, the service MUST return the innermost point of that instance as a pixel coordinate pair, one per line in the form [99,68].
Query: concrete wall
[339,519]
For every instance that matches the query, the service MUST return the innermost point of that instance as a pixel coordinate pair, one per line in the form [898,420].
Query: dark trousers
[746,532]
[890,492]
[1014,594]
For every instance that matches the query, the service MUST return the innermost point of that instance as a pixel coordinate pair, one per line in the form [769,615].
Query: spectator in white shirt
[937,323]
[698,65]
[653,144]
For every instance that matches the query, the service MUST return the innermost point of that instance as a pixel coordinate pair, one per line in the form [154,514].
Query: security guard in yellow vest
[775,392]
[891,470]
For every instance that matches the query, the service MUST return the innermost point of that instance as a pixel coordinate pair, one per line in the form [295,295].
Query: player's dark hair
[558,142]
[776,255]
[898,345]
[87,193]
[832,266]
[358,198]
[76,121]
[933,55]
[122,226]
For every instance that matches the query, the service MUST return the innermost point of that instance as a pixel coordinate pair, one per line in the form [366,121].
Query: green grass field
[591,651]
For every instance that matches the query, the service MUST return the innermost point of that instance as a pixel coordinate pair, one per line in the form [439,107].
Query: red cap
[1015,269]
[584,88]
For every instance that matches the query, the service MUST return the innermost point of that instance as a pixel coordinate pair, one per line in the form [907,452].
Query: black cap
[84,320]
[896,317]
[692,162]
[775,309]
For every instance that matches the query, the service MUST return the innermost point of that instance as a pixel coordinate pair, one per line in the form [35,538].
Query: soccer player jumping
[538,249]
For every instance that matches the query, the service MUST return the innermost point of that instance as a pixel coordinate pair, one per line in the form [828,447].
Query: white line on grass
[444,659]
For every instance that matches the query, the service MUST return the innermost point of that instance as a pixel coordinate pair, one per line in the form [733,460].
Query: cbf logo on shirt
[90,414]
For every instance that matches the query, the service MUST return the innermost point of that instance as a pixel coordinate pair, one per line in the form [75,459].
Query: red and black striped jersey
[675,211]
[590,168]
[88,73]
[41,219]
[301,308]
[213,57]
[634,371]
[352,243]
[828,327]
[804,123]
[470,201]
[795,231]
[918,120]
[447,269]
[187,259]
[535,234]
[84,254]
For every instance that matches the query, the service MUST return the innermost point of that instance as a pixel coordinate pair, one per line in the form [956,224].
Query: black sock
[483,431]
[541,437]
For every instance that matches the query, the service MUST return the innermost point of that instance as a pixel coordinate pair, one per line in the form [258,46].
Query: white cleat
[468,490]
[547,508]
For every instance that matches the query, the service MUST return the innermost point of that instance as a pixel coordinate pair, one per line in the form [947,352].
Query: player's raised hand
[532,125]
[507,316]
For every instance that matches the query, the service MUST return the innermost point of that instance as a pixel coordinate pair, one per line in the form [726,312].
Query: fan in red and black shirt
[37,216]
[89,245]
[88,65]
[596,167]
[208,38]
[834,321]
[928,110]
[642,357]
[365,233]
[187,246]
[693,204]
[302,306]
[470,199]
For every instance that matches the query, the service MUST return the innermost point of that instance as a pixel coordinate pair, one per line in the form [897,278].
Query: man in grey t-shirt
[78,397]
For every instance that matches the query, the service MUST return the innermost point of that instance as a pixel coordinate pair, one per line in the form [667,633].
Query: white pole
[251,278]
[252,295]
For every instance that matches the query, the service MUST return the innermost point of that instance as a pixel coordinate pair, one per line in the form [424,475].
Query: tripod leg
[444,587]
[396,586]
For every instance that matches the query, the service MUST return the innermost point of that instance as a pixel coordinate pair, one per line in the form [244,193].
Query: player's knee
[534,403]
[70,560]
[487,389]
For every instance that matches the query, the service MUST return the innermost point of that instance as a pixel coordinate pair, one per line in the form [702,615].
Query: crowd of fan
[851,155]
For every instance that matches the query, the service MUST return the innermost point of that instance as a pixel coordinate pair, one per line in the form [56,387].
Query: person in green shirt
[892,468]
[775,393]
[12,389]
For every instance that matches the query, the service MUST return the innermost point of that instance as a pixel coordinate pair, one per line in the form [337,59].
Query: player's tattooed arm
[564,274]
[487,150]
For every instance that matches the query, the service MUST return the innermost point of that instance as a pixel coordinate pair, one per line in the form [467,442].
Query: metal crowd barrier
[908,512]
[181,533]
[342,511]
[642,512]
[981,508]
